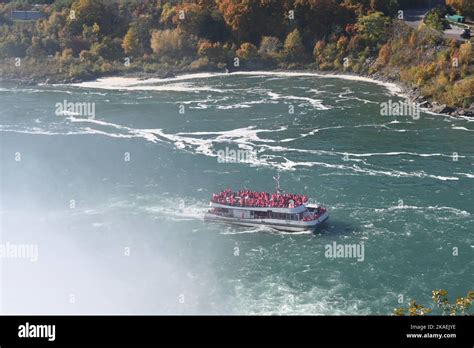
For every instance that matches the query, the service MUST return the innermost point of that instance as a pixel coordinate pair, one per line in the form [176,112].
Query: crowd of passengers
[247,198]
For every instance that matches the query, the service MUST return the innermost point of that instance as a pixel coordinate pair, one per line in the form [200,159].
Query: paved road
[454,33]
[413,18]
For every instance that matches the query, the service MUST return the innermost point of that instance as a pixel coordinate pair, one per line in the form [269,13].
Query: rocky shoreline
[433,106]
[412,94]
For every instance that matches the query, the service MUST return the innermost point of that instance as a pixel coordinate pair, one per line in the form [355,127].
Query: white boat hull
[281,225]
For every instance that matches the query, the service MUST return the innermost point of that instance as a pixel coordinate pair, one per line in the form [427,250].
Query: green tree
[88,12]
[433,19]
[318,18]
[270,46]
[131,42]
[201,19]
[373,28]
[137,40]
[110,49]
[293,46]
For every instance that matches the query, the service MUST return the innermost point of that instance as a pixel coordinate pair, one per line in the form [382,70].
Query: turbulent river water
[114,202]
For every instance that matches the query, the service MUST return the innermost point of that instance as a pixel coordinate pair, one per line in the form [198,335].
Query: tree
[88,12]
[249,20]
[293,47]
[440,298]
[464,7]
[169,43]
[433,19]
[137,40]
[247,51]
[387,7]
[214,52]
[131,42]
[203,21]
[317,18]
[110,49]
[384,54]
[373,27]
[270,46]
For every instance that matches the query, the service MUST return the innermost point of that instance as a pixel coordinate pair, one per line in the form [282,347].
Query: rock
[442,109]
[169,74]
[425,104]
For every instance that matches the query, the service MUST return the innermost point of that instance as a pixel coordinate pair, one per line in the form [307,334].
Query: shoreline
[393,85]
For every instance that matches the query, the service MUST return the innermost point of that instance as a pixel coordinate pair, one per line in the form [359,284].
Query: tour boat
[281,211]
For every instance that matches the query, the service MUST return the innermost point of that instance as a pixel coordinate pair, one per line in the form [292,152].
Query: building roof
[26,15]
[455,17]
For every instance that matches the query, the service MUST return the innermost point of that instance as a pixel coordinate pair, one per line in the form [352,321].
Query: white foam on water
[467,175]
[169,210]
[247,138]
[401,153]
[463,128]
[34,90]
[235,229]
[391,87]
[137,84]
[290,165]
[317,130]
[452,210]
[234,106]
[316,103]
[345,97]
[134,84]
[273,296]
[243,105]
[350,154]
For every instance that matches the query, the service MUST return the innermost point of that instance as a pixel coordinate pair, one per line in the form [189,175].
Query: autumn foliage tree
[215,52]
[247,51]
[465,7]
[88,12]
[169,43]
[384,54]
[249,20]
